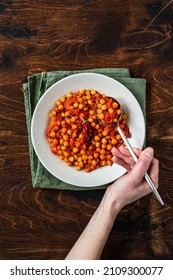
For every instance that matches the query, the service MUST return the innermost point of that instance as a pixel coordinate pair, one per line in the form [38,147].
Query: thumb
[142,165]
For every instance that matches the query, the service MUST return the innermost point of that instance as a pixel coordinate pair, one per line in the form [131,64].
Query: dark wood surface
[47,35]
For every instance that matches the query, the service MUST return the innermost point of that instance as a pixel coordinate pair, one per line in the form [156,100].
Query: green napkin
[36,86]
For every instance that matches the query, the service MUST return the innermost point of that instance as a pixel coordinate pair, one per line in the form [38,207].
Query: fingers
[142,165]
[123,157]
[117,153]
[121,162]
[145,162]
[126,152]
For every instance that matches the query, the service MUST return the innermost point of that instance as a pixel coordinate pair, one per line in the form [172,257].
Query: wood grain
[47,35]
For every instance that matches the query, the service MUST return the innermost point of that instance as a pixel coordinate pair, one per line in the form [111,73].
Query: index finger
[126,152]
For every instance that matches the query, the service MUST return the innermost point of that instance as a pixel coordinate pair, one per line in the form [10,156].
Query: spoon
[127,143]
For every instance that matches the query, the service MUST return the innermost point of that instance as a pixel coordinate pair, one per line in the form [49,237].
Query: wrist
[113,202]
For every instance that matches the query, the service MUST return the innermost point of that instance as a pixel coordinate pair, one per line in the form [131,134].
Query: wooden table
[47,35]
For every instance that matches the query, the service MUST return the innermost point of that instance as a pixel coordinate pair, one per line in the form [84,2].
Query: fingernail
[148,152]
[113,150]
[148,155]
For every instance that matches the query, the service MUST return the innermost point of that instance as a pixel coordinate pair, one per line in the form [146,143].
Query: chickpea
[76,105]
[122,126]
[84,157]
[102,157]
[63,99]
[78,168]
[77,144]
[102,152]
[109,147]
[108,157]
[64,130]
[81,106]
[102,101]
[104,107]
[105,132]
[90,157]
[93,92]
[93,124]
[111,110]
[99,106]
[66,137]
[59,152]
[119,112]
[69,95]
[74,126]
[75,150]
[87,169]
[82,152]
[71,159]
[69,132]
[97,144]
[89,98]
[52,134]
[99,111]
[96,138]
[103,162]
[61,157]
[66,143]
[63,148]
[91,112]
[60,107]
[124,117]
[90,119]
[66,154]
[96,155]
[94,162]
[73,119]
[67,114]
[118,137]
[63,122]
[58,102]
[50,140]
[82,91]
[53,113]
[115,105]
[101,116]
[81,164]
[104,140]
[114,141]
[103,146]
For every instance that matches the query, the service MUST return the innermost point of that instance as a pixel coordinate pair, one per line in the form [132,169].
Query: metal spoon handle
[147,177]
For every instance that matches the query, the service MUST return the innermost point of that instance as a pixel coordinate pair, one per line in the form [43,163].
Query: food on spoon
[108,110]
[77,135]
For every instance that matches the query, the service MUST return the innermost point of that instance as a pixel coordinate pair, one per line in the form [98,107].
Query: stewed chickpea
[75,133]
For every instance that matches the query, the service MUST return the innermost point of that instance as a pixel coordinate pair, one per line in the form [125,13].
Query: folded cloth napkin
[36,86]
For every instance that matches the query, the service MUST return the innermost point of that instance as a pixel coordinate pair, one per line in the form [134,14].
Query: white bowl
[40,120]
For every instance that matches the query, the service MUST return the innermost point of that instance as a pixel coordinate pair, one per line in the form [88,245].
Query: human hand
[132,185]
